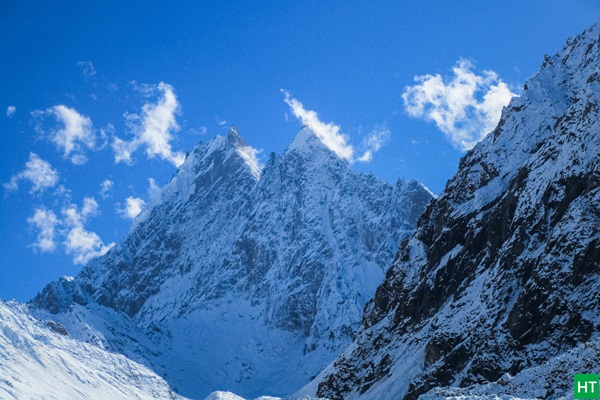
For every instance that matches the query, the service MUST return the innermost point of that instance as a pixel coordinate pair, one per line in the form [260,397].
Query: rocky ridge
[502,273]
[241,278]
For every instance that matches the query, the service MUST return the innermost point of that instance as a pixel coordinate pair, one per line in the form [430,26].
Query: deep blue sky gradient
[347,60]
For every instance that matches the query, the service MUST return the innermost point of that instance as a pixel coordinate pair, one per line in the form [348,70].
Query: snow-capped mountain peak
[222,159]
[256,279]
[307,141]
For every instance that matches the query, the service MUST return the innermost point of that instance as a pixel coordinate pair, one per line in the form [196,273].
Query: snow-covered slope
[502,272]
[39,360]
[241,279]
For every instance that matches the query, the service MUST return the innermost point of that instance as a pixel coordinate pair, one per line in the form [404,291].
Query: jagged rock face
[548,380]
[152,252]
[253,280]
[168,240]
[502,272]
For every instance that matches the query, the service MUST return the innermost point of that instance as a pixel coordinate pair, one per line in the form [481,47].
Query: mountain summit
[241,278]
[501,274]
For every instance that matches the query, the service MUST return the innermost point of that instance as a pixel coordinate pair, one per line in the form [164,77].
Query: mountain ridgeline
[502,273]
[253,280]
[241,278]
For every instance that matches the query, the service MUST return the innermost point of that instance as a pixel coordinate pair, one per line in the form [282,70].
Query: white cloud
[105,188]
[61,191]
[82,244]
[145,89]
[87,67]
[90,208]
[74,217]
[328,133]
[122,150]
[103,136]
[200,131]
[465,108]
[331,135]
[39,172]
[220,122]
[133,206]
[10,110]
[45,222]
[373,142]
[76,134]
[77,241]
[153,129]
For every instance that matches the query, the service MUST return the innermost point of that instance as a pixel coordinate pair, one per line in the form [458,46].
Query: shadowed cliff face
[253,279]
[502,272]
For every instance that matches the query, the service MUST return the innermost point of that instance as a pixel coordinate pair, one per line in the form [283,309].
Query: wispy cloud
[87,68]
[62,192]
[465,108]
[45,222]
[10,110]
[153,129]
[219,121]
[37,171]
[331,135]
[77,132]
[106,188]
[145,89]
[328,133]
[112,87]
[250,155]
[70,231]
[199,131]
[373,142]
[132,207]
[81,244]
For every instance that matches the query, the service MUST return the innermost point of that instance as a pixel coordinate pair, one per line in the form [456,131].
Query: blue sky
[118,91]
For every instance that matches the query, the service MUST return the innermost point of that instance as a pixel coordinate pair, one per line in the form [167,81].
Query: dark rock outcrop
[503,270]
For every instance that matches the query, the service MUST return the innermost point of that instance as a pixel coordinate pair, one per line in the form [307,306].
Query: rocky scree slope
[242,279]
[502,272]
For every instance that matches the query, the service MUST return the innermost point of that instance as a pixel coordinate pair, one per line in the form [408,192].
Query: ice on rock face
[243,278]
[501,274]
